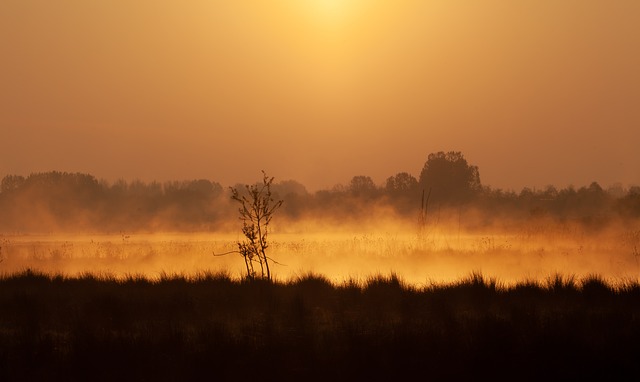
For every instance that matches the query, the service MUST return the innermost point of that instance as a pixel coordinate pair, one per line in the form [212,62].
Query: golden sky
[534,92]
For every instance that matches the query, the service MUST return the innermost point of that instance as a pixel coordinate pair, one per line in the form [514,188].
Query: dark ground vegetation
[213,327]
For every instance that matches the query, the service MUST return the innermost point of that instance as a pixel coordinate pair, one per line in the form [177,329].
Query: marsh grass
[210,326]
[442,257]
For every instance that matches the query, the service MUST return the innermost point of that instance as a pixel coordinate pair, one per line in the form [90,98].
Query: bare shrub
[256,211]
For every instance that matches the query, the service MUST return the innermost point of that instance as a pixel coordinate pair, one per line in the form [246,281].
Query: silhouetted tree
[401,183]
[256,211]
[402,191]
[362,186]
[629,205]
[11,183]
[450,177]
[616,190]
[289,187]
[189,203]
[296,195]
[550,193]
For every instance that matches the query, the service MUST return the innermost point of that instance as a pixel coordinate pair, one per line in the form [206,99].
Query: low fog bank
[447,247]
[434,255]
[438,227]
[78,203]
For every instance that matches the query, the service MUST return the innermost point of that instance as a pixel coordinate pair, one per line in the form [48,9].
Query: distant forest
[447,184]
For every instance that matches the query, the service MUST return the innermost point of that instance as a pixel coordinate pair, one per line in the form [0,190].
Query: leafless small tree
[256,211]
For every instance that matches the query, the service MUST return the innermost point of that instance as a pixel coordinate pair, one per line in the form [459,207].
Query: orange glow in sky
[532,92]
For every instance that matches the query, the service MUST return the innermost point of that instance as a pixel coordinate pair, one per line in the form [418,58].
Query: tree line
[75,201]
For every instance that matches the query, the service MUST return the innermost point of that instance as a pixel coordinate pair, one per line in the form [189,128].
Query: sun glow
[333,12]
[330,6]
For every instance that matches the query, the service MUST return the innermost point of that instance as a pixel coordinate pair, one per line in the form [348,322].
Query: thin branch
[275,262]
[224,254]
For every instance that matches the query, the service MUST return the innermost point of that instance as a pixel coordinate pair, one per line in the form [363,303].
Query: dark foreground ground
[214,328]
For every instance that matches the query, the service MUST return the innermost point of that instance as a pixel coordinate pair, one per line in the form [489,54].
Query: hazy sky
[534,92]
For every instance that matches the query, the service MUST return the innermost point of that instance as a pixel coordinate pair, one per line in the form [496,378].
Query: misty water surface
[433,256]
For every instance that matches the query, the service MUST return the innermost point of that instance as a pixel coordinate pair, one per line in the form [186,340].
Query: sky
[533,92]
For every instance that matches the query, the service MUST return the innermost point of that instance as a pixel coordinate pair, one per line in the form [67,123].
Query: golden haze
[535,93]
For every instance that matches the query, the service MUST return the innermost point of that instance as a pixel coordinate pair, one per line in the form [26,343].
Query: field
[345,305]
[437,255]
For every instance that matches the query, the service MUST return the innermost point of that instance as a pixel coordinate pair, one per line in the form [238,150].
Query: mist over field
[277,190]
[438,227]
[123,125]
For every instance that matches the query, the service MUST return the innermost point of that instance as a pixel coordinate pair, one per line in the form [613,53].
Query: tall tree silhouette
[450,178]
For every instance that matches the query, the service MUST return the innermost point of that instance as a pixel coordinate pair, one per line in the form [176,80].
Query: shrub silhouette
[256,211]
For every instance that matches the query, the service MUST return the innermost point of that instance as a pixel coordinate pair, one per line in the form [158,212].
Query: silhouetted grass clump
[213,327]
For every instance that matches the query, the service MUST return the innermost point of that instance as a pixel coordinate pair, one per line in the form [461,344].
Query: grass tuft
[210,324]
